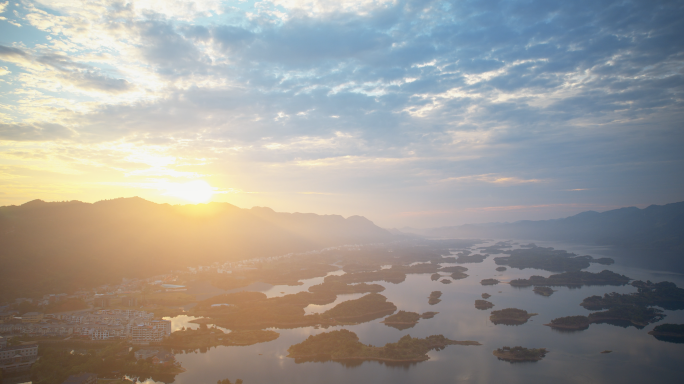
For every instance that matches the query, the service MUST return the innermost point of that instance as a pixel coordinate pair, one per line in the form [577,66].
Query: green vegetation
[56,364]
[404,320]
[344,345]
[510,316]
[544,291]
[570,323]
[204,338]
[664,294]
[547,259]
[253,310]
[520,354]
[673,333]
[574,279]
[434,297]
[340,288]
[624,316]
[483,304]
[366,308]
[457,272]
[489,282]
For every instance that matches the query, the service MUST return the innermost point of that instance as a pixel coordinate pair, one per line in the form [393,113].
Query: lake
[573,357]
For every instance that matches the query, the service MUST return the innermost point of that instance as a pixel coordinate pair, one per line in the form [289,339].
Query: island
[544,291]
[574,279]
[489,282]
[486,295]
[464,258]
[344,345]
[622,316]
[664,294]
[435,276]
[404,320]
[445,281]
[673,333]
[340,288]
[548,259]
[520,354]
[457,272]
[501,269]
[483,304]
[366,308]
[434,297]
[510,316]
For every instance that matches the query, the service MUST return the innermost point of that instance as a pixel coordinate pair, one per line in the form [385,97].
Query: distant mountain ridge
[65,245]
[659,227]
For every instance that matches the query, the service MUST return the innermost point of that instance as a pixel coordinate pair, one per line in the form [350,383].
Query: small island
[435,276]
[366,308]
[544,291]
[570,323]
[457,272]
[445,281]
[404,320]
[434,297]
[673,333]
[501,269]
[520,354]
[463,258]
[574,279]
[344,345]
[486,295]
[483,304]
[510,316]
[489,282]
[340,288]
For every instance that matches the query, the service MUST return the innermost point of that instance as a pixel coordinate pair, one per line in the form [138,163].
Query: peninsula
[673,333]
[548,259]
[624,316]
[664,294]
[574,279]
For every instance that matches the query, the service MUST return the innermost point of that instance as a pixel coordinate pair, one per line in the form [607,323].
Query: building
[18,358]
[32,317]
[101,301]
[150,332]
[81,378]
[3,342]
[130,301]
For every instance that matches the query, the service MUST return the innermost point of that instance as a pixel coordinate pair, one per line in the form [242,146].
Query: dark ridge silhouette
[61,246]
[652,237]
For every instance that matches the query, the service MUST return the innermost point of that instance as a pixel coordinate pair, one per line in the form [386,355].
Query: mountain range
[48,247]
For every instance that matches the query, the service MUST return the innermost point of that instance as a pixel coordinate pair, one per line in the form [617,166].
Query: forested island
[664,294]
[500,269]
[624,316]
[345,345]
[574,279]
[510,316]
[489,282]
[205,337]
[483,304]
[434,297]
[457,272]
[548,259]
[673,333]
[544,291]
[520,354]
[486,295]
[404,320]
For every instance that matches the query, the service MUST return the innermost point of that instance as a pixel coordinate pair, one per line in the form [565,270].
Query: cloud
[34,132]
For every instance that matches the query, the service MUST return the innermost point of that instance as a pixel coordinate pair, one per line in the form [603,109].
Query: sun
[197,191]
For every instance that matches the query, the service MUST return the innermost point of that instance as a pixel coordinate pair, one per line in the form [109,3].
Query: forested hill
[46,247]
[657,227]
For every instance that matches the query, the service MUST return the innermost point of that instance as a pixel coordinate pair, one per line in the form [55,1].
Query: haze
[419,113]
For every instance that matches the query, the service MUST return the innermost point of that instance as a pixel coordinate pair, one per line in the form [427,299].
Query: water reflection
[573,357]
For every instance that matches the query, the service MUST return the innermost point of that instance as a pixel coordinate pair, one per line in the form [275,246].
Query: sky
[411,113]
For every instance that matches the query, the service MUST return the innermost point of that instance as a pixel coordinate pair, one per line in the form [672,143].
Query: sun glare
[197,191]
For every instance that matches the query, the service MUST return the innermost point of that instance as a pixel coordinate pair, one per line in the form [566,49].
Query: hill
[61,246]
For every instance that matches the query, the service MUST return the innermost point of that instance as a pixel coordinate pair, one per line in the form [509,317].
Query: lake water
[573,358]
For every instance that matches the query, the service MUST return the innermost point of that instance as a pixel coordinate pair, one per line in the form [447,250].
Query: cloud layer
[355,107]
